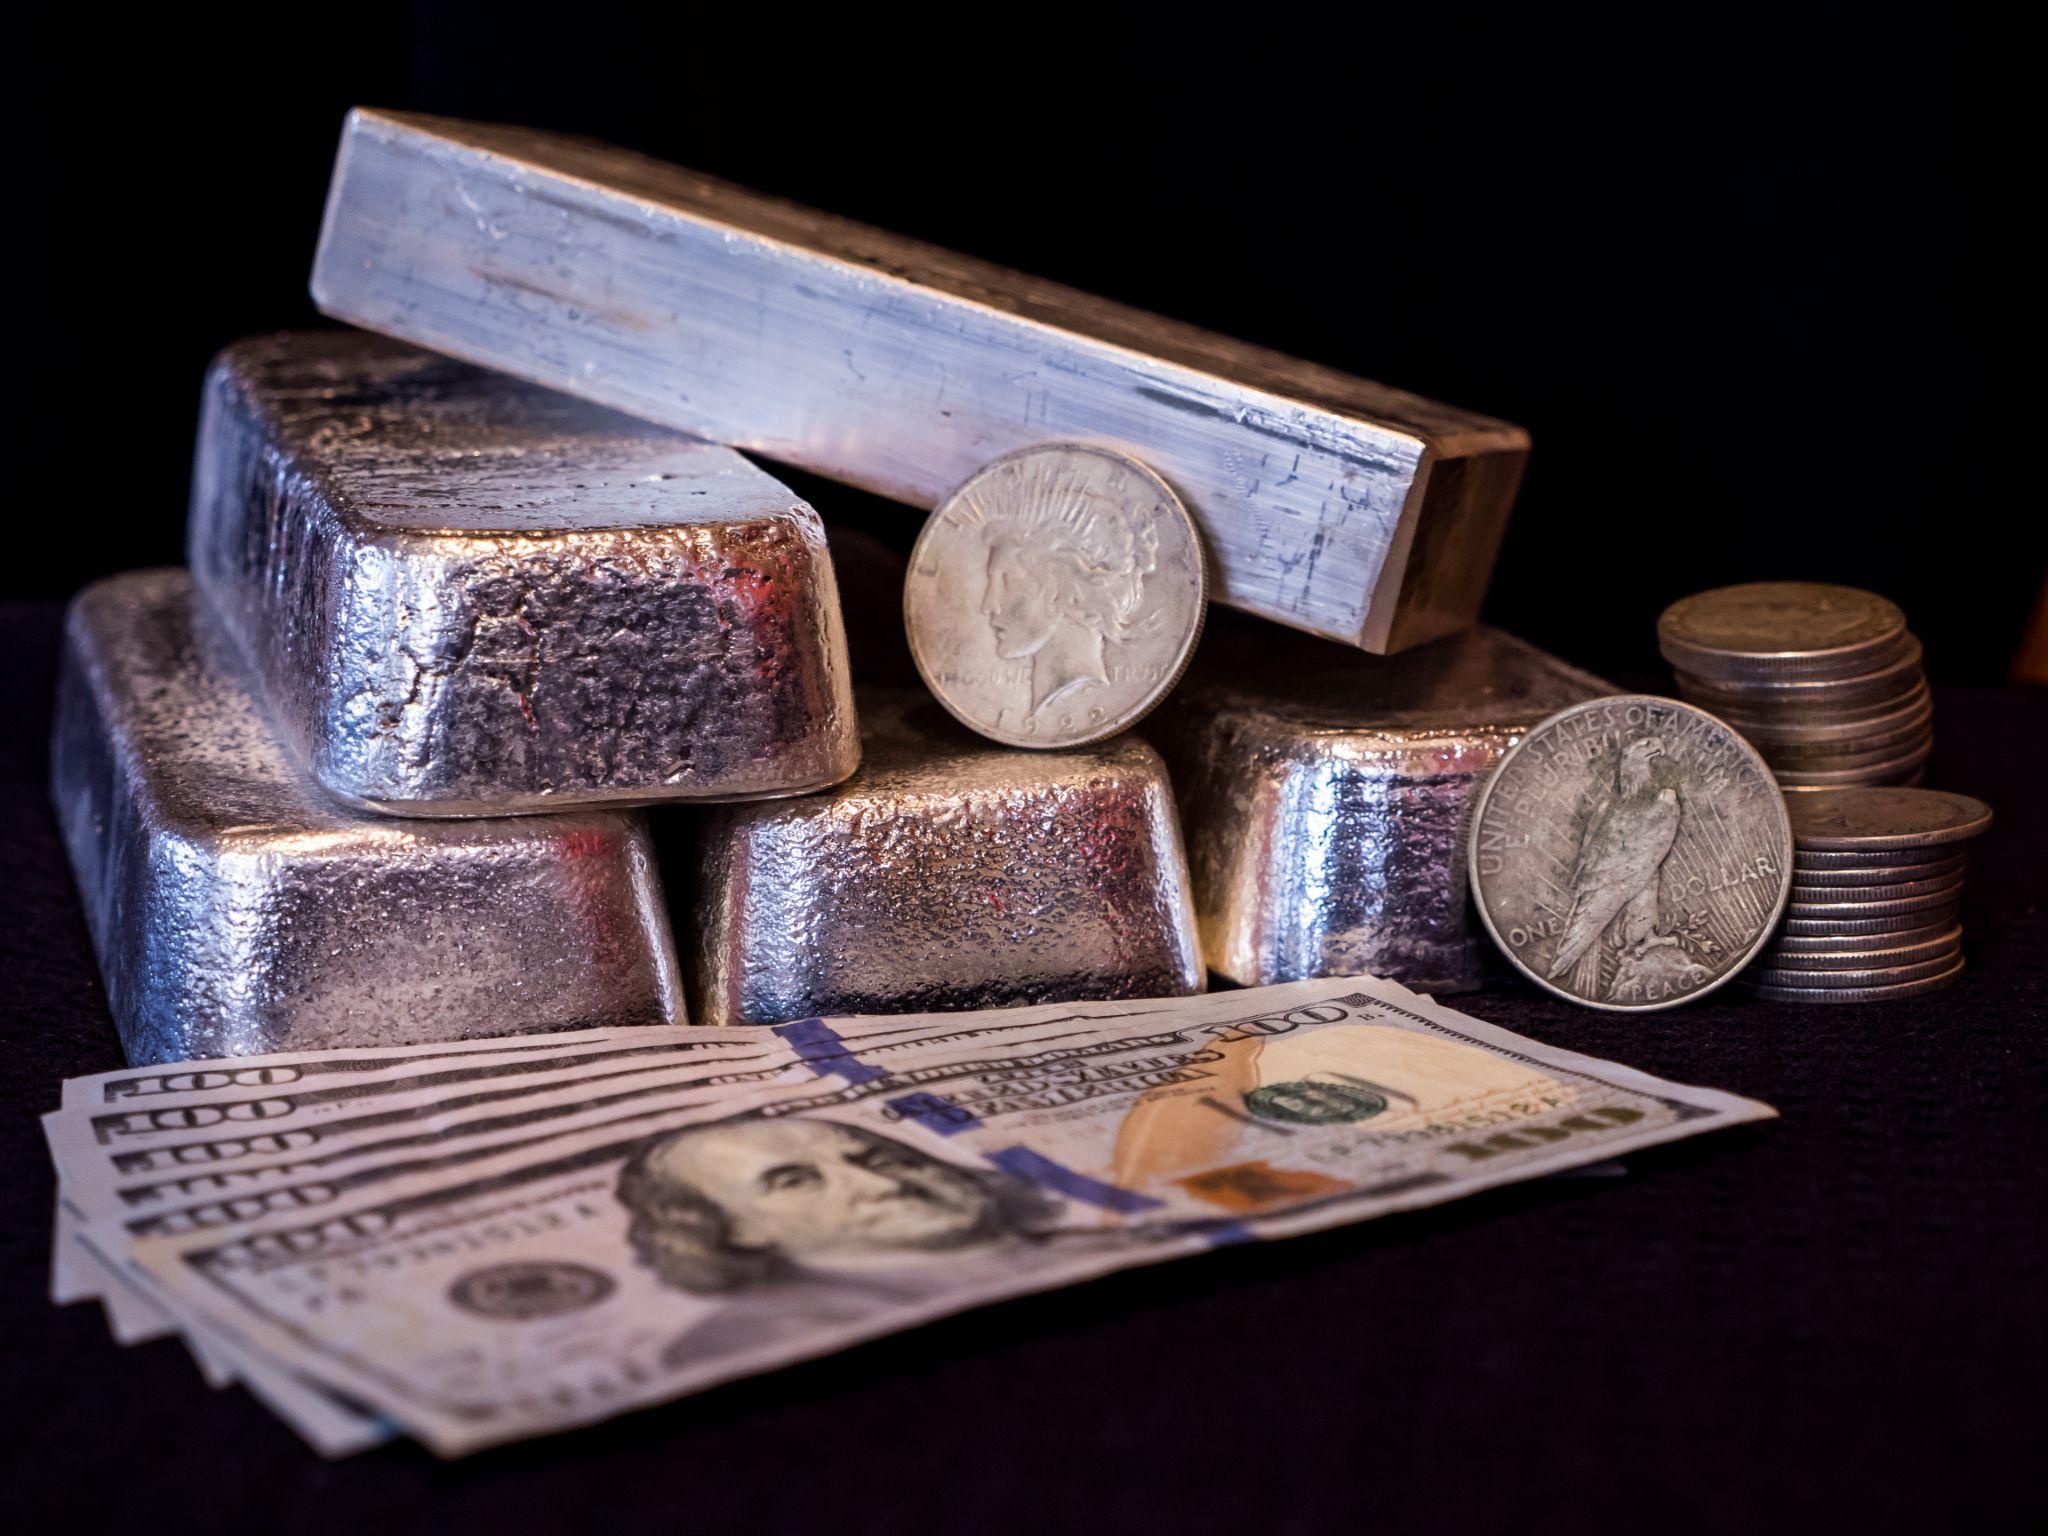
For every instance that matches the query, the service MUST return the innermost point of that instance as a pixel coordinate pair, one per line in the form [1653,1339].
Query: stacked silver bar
[433,590]
[1327,796]
[420,588]
[467,596]
[236,909]
[947,873]
[373,771]
[1328,502]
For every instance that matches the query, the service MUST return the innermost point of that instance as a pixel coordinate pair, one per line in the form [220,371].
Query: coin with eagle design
[1631,853]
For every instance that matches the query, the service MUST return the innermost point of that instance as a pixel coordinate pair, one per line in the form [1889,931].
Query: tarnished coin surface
[1849,697]
[1868,876]
[1866,819]
[1890,724]
[1836,926]
[1870,858]
[1861,943]
[1949,884]
[1890,992]
[1631,853]
[1942,943]
[1802,909]
[1056,597]
[1874,976]
[1781,629]
[1892,772]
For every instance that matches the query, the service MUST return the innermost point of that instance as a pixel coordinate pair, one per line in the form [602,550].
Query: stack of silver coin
[1876,899]
[1824,681]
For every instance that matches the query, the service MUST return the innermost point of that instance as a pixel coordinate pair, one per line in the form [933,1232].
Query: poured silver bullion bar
[947,873]
[236,909]
[1331,504]
[467,596]
[1326,796]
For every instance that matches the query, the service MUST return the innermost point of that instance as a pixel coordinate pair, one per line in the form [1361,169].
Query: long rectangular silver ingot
[237,910]
[946,874]
[1335,505]
[468,596]
[1327,797]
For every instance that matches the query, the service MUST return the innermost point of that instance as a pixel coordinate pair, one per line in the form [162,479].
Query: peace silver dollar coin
[1056,597]
[1631,853]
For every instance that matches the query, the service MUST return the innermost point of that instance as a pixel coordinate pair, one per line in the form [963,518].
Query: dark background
[1742,271]
[1738,268]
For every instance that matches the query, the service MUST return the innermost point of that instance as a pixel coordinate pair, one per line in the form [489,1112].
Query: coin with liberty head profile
[1057,596]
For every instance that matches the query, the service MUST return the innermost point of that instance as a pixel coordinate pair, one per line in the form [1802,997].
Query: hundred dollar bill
[1209,1119]
[367,1118]
[542,1286]
[230,1141]
[158,1083]
[228,1137]
[222,1131]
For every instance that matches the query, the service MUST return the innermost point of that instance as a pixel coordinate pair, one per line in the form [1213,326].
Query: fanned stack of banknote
[478,1242]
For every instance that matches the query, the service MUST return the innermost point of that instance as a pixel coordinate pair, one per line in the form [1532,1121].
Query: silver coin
[1887,992]
[1940,946]
[1801,760]
[1795,738]
[1804,859]
[1056,597]
[1788,944]
[1873,775]
[1823,696]
[1813,881]
[1808,729]
[1871,820]
[1936,883]
[1805,877]
[1764,974]
[1630,853]
[1781,629]
[1837,926]
[1850,911]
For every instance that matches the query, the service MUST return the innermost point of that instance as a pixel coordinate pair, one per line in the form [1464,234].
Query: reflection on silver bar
[237,910]
[1326,797]
[465,596]
[1329,503]
[945,874]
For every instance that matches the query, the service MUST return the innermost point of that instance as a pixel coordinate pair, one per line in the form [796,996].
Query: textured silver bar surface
[1326,796]
[237,910]
[1329,503]
[467,596]
[947,873]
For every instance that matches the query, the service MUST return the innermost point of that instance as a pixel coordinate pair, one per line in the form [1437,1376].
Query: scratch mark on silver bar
[946,874]
[1326,797]
[463,595]
[237,910]
[1331,504]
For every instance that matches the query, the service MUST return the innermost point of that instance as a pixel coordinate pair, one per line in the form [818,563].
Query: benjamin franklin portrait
[736,1203]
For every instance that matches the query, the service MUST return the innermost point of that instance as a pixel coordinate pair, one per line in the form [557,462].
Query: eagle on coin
[1626,841]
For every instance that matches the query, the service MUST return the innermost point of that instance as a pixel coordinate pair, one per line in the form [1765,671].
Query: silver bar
[1329,503]
[237,910]
[946,874]
[1326,796]
[467,596]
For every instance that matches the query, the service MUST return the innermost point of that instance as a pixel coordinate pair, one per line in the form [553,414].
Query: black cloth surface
[1835,1317]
